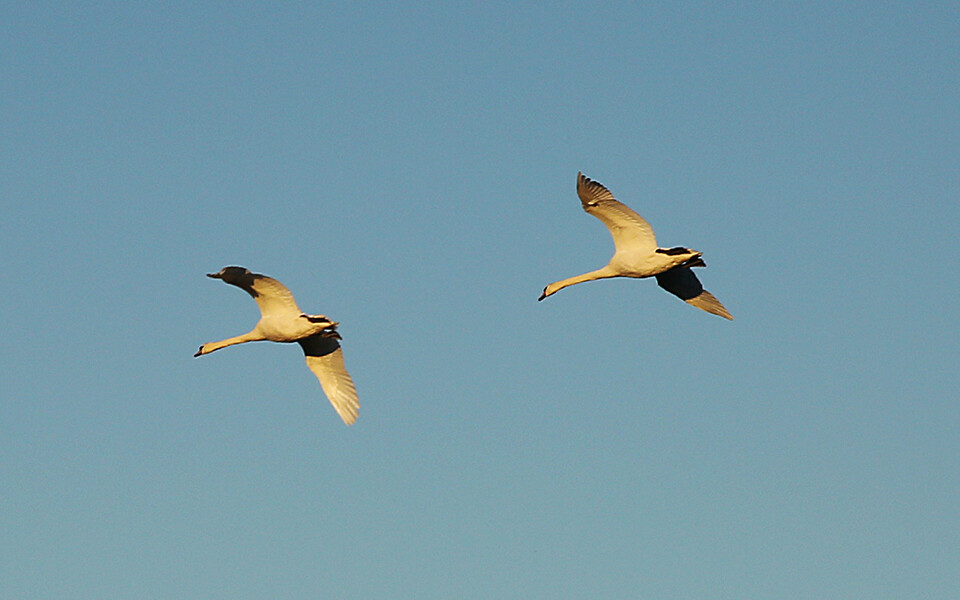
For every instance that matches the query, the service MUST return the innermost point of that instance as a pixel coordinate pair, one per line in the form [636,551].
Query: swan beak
[213,275]
[542,295]
[199,352]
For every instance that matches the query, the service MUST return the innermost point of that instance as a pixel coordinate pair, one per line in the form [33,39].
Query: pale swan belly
[287,329]
[644,266]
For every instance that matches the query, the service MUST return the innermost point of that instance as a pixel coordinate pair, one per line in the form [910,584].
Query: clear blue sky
[409,169]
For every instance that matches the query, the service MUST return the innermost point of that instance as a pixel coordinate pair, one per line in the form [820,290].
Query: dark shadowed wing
[683,283]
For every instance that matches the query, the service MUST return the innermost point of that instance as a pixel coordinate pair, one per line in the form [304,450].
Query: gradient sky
[409,169]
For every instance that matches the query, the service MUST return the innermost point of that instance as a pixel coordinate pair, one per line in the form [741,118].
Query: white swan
[282,321]
[637,254]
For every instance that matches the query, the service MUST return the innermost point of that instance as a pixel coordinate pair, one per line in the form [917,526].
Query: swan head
[233,275]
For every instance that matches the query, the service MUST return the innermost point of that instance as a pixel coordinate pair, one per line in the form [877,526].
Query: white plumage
[637,254]
[281,320]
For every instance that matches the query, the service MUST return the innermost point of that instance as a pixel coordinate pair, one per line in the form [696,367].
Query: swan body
[637,254]
[281,320]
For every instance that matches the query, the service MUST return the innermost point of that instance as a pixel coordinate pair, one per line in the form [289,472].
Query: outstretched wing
[629,230]
[683,283]
[271,296]
[325,359]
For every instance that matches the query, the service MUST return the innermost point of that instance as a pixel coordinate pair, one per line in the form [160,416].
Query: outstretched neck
[602,273]
[253,336]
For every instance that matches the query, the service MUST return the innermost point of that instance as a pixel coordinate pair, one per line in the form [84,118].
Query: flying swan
[281,320]
[637,254]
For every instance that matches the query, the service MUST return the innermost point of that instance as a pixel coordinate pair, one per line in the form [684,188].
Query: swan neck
[602,273]
[240,339]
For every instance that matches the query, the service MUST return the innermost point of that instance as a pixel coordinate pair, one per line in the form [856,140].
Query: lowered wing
[325,358]
[683,283]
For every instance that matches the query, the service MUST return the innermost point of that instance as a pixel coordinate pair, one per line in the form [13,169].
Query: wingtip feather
[709,303]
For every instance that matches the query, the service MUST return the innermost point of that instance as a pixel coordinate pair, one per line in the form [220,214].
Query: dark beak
[213,275]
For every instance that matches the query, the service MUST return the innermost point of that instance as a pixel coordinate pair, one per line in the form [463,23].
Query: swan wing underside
[272,297]
[683,283]
[630,231]
[325,358]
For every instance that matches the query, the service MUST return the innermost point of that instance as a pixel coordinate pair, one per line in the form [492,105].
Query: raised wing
[325,359]
[271,296]
[683,283]
[629,230]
